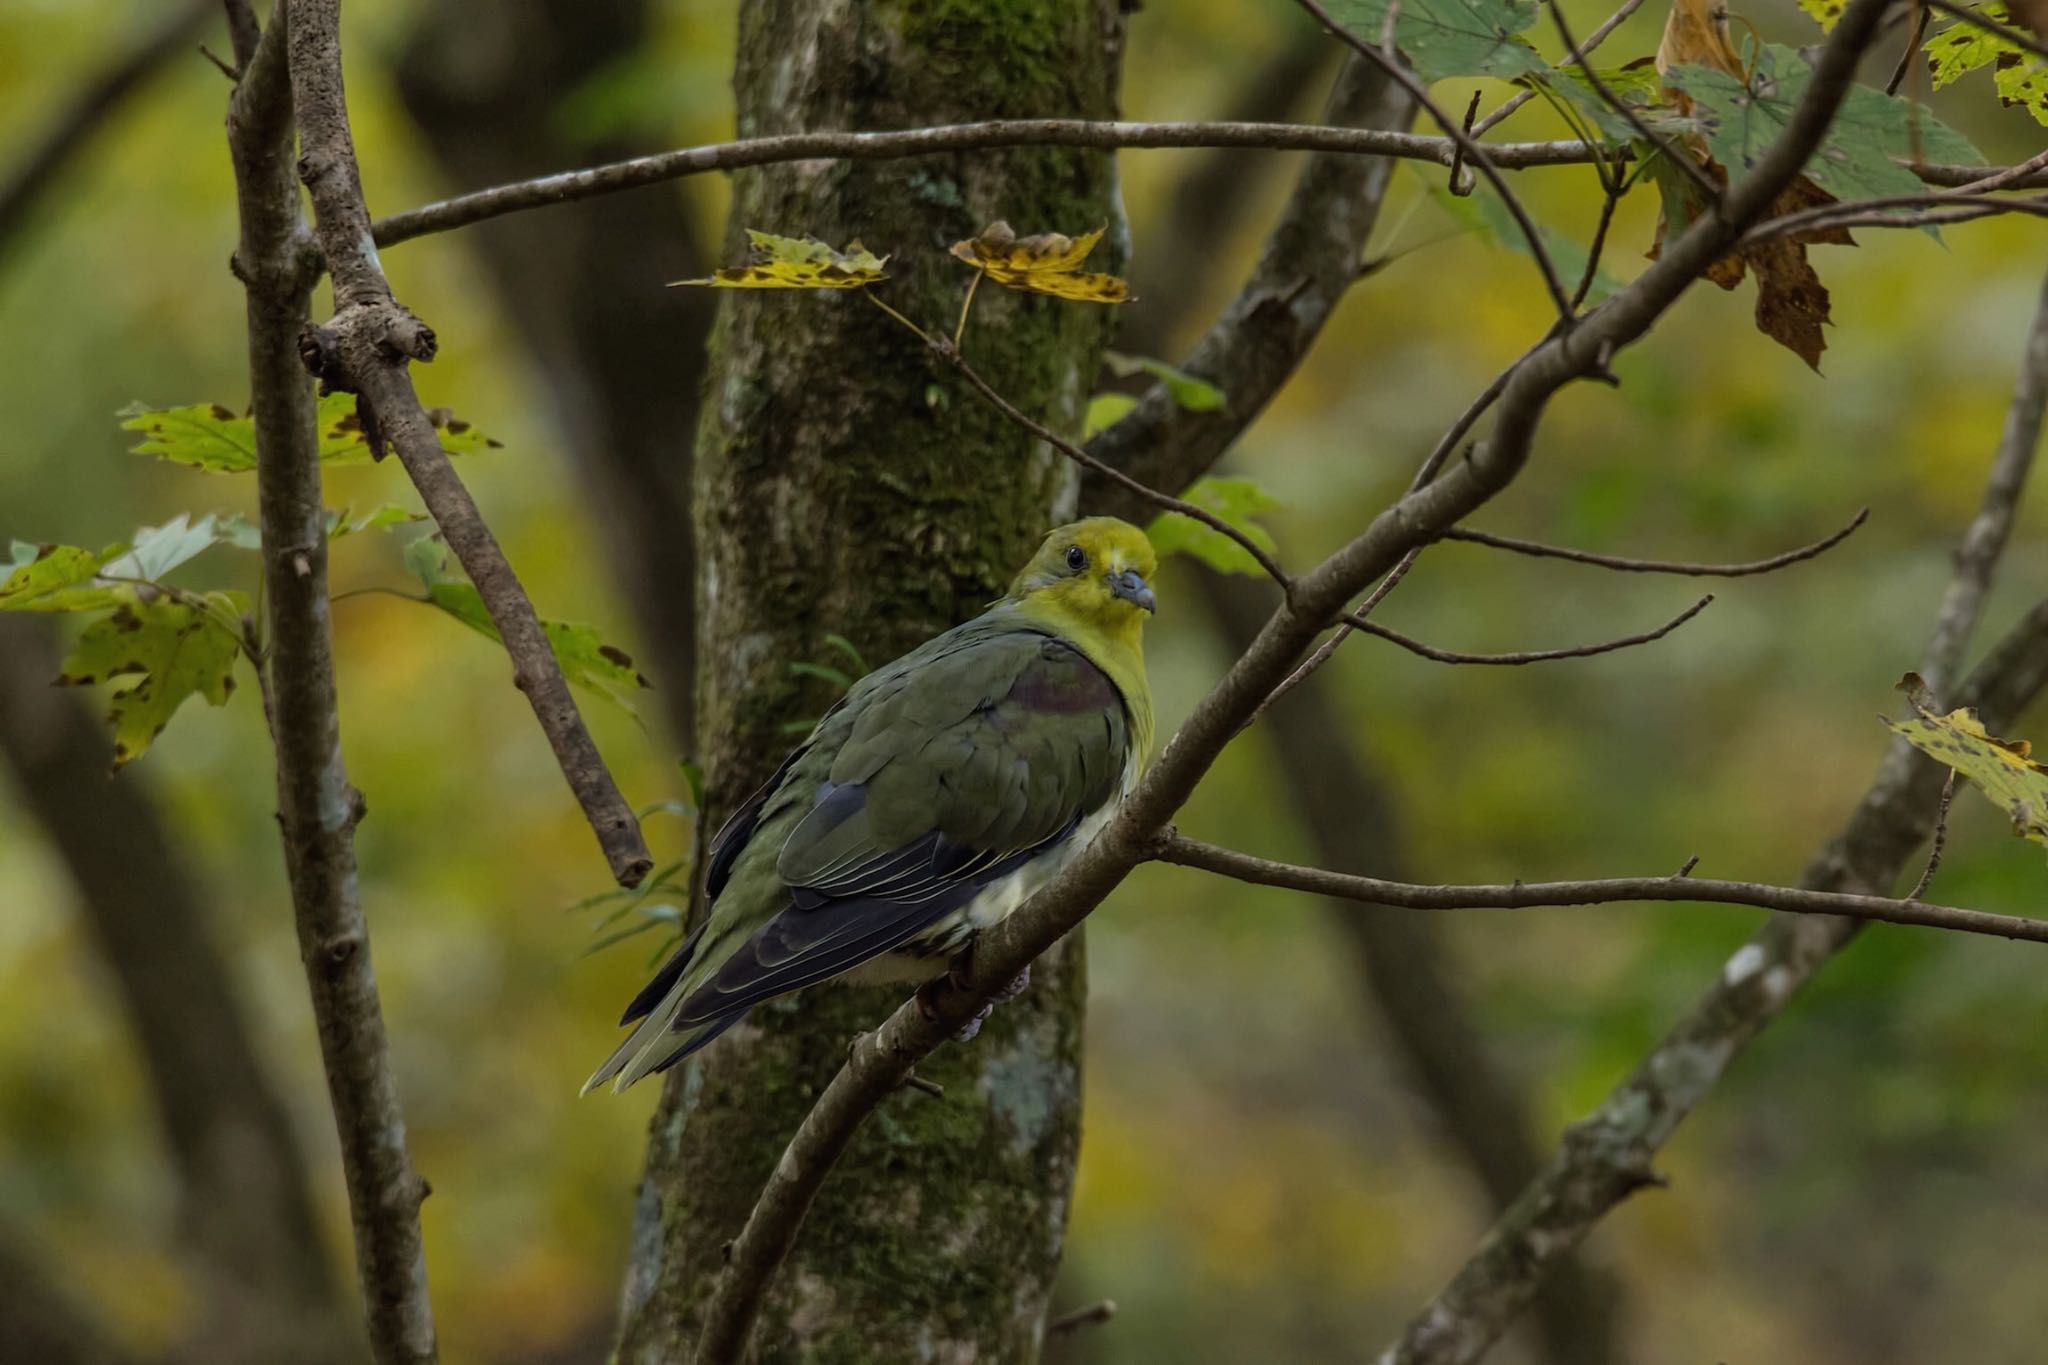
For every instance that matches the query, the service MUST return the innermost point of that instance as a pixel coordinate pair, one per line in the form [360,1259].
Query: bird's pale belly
[927,956]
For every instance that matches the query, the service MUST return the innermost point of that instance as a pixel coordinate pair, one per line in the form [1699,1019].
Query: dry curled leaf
[1791,302]
[797,263]
[2003,769]
[1043,263]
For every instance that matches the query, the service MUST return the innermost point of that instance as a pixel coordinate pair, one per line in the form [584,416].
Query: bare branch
[1308,265]
[1094,1315]
[1626,564]
[1939,842]
[1533,656]
[364,349]
[567,187]
[1605,1158]
[881,1059]
[1465,146]
[317,808]
[1955,206]
[96,100]
[1244,867]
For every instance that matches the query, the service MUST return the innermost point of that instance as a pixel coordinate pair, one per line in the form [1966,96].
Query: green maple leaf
[1443,38]
[213,437]
[173,645]
[1861,158]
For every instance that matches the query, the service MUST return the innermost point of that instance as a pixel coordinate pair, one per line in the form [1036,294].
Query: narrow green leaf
[1105,410]
[1188,392]
[1235,500]
[585,659]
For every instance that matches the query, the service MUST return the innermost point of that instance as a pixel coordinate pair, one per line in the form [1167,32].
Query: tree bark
[846,484]
[245,1211]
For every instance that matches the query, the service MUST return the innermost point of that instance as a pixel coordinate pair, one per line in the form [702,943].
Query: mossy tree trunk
[849,485]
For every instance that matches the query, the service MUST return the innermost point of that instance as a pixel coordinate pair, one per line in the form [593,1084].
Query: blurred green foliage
[1256,1184]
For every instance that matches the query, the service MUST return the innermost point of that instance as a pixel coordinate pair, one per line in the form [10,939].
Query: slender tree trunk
[245,1213]
[846,485]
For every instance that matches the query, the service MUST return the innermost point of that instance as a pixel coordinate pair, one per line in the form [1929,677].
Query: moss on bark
[847,484]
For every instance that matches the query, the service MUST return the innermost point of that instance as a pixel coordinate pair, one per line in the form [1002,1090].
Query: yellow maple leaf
[798,263]
[2003,769]
[1043,263]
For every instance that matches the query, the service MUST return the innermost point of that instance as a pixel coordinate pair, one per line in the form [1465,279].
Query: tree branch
[364,349]
[567,187]
[1308,264]
[1606,1157]
[89,108]
[1244,867]
[317,808]
[1626,564]
[878,1063]
[1531,656]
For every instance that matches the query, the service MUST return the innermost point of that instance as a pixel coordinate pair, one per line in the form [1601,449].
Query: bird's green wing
[935,778]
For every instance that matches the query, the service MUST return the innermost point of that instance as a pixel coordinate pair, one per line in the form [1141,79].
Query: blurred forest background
[1259,1180]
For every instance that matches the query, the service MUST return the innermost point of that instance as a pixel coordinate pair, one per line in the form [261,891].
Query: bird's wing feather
[936,777]
[949,778]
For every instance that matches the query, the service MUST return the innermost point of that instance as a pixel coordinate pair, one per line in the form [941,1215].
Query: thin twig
[1244,867]
[1164,501]
[364,349]
[1707,185]
[1610,199]
[1532,656]
[1322,654]
[1433,463]
[317,809]
[1625,564]
[1940,840]
[1909,57]
[1478,155]
[1954,206]
[1094,1315]
[881,1059]
[1461,179]
[1593,40]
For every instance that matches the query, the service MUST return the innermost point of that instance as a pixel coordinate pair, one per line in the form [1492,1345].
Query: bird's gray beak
[1133,589]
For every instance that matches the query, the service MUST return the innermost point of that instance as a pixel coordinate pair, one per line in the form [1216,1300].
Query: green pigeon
[930,803]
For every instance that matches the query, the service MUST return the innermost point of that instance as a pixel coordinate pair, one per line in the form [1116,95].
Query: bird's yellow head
[1091,580]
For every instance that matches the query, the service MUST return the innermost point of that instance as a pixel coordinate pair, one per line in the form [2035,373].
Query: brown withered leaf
[1791,302]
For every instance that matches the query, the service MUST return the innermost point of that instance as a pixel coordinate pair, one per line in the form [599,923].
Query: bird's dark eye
[1077,558]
